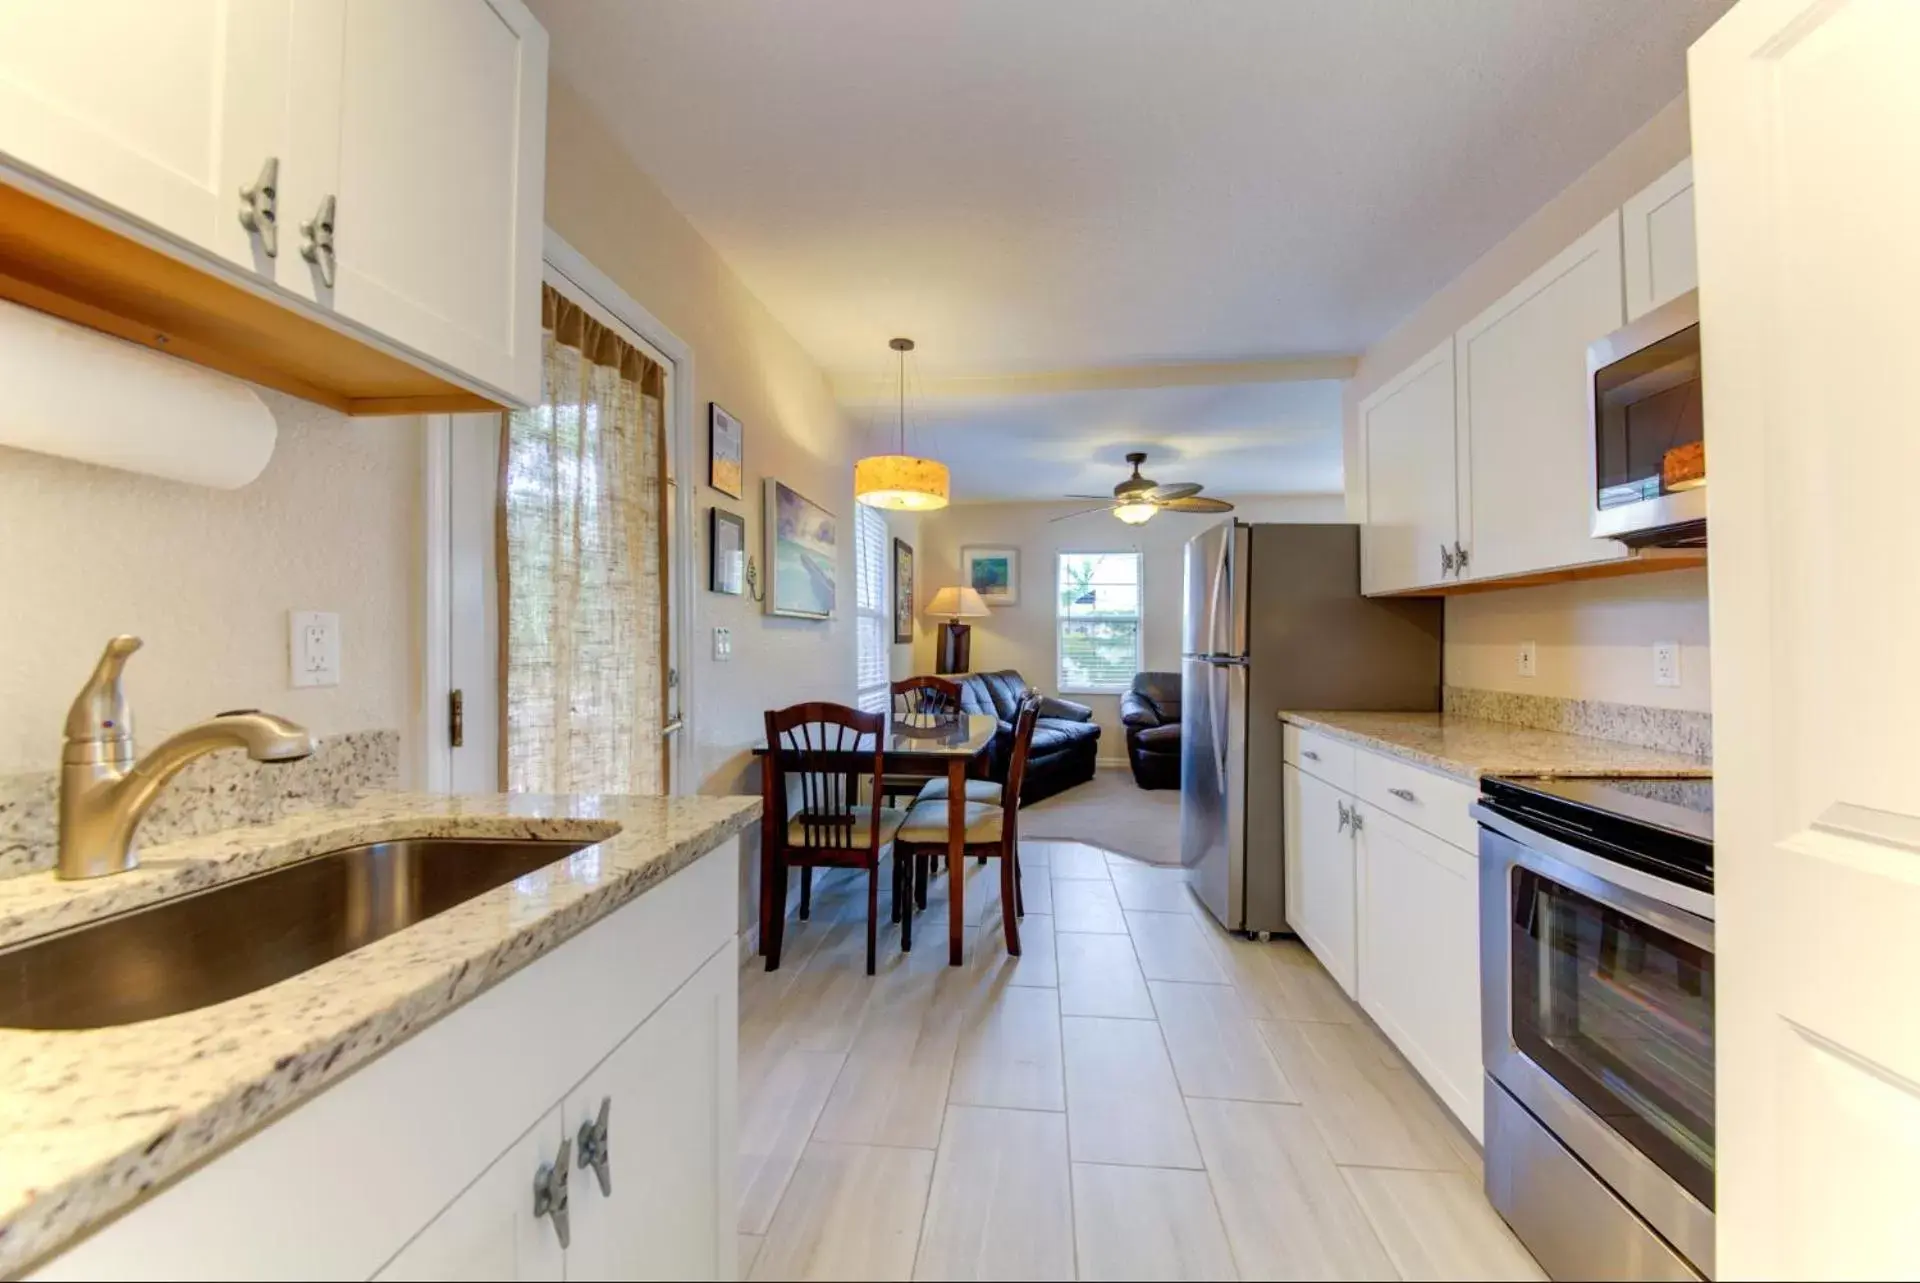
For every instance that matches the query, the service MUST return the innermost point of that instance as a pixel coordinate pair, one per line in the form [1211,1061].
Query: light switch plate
[314,647]
[1528,663]
[1666,663]
[722,645]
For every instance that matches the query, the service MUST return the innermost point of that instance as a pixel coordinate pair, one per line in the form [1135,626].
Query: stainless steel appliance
[1597,979]
[1275,620]
[1649,447]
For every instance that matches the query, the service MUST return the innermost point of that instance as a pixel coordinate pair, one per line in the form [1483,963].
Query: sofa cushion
[998,693]
[1052,736]
[1159,739]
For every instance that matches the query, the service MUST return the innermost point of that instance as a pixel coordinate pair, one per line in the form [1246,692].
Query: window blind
[1098,618]
[872,628]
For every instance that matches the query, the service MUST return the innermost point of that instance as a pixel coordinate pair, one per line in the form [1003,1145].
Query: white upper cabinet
[437,181]
[1521,383]
[164,111]
[1407,433]
[1656,228]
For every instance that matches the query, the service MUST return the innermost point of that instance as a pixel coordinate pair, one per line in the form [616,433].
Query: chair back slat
[818,752]
[1022,742]
[924,694]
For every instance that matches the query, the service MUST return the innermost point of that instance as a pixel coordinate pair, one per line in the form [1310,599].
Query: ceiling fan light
[1135,514]
[901,482]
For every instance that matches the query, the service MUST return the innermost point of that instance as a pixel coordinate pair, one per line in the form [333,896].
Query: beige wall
[602,204]
[1595,640]
[1022,636]
[206,578]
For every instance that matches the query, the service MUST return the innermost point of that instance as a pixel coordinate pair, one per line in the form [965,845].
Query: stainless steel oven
[1649,442]
[1597,976]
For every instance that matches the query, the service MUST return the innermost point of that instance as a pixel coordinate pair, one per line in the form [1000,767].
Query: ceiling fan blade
[1194,504]
[1096,498]
[1083,512]
[1167,494]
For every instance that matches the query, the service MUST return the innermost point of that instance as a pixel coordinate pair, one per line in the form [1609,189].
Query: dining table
[929,745]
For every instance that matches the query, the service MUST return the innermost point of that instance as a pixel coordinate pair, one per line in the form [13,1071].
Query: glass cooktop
[1662,825]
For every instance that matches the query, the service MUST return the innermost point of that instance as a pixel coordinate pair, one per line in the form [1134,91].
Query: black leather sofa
[1151,714]
[1066,739]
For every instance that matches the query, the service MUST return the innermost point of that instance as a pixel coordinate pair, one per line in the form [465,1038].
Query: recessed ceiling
[1029,186]
[1241,439]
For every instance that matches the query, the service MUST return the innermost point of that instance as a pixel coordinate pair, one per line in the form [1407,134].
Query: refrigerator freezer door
[1203,628]
[1213,785]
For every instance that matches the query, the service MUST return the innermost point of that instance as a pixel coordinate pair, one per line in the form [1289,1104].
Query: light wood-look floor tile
[1363,1109]
[852,1212]
[1123,1102]
[1147,1223]
[1287,1210]
[1070,860]
[1036,964]
[1439,1225]
[1171,947]
[1085,905]
[1280,978]
[1002,1201]
[776,1122]
[1216,1048]
[1009,1053]
[1147,888]
[1100,977]
[749,1252]
[893,1090]
[1039,888]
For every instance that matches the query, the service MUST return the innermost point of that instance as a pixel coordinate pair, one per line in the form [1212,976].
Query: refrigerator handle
[1219,726]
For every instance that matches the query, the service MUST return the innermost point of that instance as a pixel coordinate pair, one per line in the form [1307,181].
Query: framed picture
[726,452]
[803,555]
[994,573]
[902,591]
[726,551]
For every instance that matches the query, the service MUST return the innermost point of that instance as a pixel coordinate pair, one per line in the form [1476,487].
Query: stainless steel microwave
[1649,447]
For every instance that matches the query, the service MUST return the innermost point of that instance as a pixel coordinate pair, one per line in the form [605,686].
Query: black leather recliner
[1151,714]
[1066,739]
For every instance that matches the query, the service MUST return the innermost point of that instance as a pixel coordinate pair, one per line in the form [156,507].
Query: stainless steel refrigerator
[1275,620]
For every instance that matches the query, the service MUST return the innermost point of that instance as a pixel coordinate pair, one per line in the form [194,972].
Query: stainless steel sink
[242,936]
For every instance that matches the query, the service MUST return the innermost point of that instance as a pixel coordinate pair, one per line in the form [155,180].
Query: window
[1099,621]
[870,622]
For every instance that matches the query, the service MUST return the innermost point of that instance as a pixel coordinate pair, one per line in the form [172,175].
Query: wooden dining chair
[992,829]
[817,753]
[919,696]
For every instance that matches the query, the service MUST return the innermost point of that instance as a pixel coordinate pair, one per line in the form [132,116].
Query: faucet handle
[100,713]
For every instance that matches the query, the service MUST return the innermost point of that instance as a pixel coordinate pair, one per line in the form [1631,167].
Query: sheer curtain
[582,562]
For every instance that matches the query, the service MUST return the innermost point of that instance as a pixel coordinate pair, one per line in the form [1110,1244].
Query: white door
[440,173]
[667,1210]
[1806,122]
[490,1231]
[1408,430]
[1522,388]
[1656,232]
[163,111]
[1320,874]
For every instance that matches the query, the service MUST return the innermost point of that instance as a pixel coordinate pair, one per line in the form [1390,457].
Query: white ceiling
[1241,439]
[1079,183]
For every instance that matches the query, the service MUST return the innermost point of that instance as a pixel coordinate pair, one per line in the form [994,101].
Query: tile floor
[1140,1095]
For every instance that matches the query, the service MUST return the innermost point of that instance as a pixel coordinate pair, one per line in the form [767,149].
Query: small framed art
[726,452]
[902,592]
[726,551]
[994,573]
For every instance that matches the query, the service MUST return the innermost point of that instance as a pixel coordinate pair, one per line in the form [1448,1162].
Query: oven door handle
[1663,905]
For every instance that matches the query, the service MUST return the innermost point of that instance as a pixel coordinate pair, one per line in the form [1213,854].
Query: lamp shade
[958,603]
[900,481]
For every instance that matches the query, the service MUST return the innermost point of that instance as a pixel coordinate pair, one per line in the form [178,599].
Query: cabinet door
[1320,877]
[490,1231]
[441,162]
[1408,432]
[1522,388]
[161,111]
[1656,231]
[1419,955]
[669,1090]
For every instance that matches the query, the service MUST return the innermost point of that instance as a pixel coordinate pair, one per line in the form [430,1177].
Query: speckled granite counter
[91,1120]
[1468,748]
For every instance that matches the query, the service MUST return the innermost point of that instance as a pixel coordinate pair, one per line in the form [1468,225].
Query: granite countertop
[91,1120]
[1468,748]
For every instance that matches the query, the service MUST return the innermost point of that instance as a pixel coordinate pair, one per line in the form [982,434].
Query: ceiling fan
[1136,499]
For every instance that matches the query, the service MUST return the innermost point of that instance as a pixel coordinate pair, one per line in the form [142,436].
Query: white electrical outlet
[314,645]
[1528,663]
[722,645]
[1666,663]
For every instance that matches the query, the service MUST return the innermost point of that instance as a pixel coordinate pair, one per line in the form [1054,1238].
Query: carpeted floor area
[1111,811]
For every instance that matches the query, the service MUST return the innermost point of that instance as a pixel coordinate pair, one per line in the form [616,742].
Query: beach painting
[994,573]
[803,555]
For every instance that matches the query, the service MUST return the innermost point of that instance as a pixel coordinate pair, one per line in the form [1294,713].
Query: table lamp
[956,638]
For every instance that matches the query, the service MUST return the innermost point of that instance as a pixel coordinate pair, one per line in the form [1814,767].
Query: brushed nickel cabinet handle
[1405,795]
[317,241]
[595,1152]
[1460,556]
[260,206]
[1446,560]
[1346,817]
[1309,754]
[550,1194]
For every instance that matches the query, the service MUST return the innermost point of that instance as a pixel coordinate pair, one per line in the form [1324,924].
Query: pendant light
[901,481]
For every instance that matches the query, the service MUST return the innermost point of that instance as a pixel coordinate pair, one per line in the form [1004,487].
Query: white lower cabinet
[1419,955]
[423,1163]
[1320,872]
